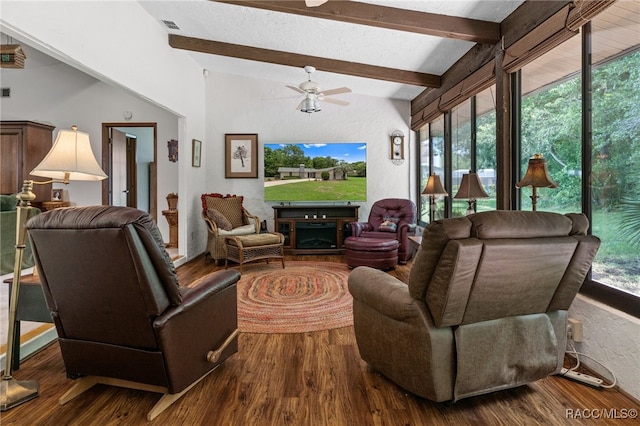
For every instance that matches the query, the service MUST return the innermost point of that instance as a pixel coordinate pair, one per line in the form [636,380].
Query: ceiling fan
[313,95]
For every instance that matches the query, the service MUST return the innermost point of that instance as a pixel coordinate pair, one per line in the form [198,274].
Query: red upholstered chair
[390,218]
[122,318]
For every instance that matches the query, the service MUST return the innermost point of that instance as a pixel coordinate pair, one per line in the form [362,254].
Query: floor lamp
[470,189]
[434,187]
[537,176]
[69,159]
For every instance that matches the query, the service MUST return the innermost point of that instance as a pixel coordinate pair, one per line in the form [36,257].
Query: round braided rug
[302,297]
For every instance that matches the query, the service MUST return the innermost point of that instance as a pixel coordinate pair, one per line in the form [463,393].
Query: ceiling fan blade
[296,89]
[337,91]
[314,3]
[335,101]
[299,107]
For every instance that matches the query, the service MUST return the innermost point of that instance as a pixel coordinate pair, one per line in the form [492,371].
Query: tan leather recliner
[485,308]
[122,318]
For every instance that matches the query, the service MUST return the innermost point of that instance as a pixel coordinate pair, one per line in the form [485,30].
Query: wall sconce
[434,187]
[537,176]
[397,147]
[470,189]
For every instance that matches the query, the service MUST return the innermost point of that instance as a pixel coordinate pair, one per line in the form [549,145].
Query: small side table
[31,307]
[415,241]
[50,205]
[172,219]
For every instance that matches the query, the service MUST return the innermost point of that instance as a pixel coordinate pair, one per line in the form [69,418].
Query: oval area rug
[302,297]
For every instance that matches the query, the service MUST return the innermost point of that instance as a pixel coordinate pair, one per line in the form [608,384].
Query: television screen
[319,172]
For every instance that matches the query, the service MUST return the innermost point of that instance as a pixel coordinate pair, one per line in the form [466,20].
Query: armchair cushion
[390,224]
[220,220]
[240,230]
[229,206]
[8,203]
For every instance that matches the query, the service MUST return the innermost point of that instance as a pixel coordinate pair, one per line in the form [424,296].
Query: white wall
[612,338]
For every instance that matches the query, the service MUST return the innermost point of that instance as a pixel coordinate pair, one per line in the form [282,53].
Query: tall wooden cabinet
[23,144]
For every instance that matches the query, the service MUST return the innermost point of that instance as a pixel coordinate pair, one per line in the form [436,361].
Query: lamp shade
[70,158]
[537,174]
[470,188]
[434,186]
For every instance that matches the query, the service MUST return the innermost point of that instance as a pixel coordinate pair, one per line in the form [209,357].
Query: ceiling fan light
[307,106]
[316,106]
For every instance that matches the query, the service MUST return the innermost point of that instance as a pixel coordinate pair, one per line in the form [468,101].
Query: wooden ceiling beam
[523,20]
[353,12]
[298,60]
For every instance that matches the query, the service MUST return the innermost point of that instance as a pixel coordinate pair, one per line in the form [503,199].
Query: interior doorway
[129,158]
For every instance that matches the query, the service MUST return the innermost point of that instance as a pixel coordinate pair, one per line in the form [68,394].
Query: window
[485,151]
[460,152]
[551,125]
[615,157]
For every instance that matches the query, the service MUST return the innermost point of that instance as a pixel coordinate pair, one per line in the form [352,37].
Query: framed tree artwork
[241,155]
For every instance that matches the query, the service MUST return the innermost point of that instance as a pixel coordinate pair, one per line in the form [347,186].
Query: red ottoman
[374,252]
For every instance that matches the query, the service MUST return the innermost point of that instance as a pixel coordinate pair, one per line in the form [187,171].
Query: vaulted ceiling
[393,49]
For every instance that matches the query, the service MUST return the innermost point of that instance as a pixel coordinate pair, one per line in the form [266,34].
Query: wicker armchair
[225,216]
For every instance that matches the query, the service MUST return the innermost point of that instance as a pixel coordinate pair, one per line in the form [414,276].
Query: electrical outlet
[574,330]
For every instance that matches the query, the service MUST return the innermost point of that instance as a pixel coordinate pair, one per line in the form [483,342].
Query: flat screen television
[315,172]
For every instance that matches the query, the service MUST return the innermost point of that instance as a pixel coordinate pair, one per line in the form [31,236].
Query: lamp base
[14,392]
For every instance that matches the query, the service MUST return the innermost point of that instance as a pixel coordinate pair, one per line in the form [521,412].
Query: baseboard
[33,345]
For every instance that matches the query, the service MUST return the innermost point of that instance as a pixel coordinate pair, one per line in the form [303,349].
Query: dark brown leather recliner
[401,212]
[122,318]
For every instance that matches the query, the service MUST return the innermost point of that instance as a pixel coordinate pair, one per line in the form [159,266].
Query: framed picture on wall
[196,158]
[241,155]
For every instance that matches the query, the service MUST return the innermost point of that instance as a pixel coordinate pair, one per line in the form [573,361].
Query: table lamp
[70,158]
[434,187]
[537,176]
[470,189]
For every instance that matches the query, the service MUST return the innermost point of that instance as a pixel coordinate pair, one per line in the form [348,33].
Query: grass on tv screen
[320,172]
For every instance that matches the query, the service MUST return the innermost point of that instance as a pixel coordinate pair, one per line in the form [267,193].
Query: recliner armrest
[358,228]
[204,288]
[382,292]
[203,322]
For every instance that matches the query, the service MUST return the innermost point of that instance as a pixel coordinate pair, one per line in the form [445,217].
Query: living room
[69,84]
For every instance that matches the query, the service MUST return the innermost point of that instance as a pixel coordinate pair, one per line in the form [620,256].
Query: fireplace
[316,235]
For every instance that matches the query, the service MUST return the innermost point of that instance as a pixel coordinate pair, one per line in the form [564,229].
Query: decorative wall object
[397,147]
[196,153]
[241,155]
[12,56]
[173,150]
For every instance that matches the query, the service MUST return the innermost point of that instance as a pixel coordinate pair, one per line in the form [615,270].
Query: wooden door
[123,170]
[118,168]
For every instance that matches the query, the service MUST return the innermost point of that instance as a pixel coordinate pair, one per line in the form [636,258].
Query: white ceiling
[210,20]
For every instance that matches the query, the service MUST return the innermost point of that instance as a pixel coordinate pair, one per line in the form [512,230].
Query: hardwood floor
[303,379]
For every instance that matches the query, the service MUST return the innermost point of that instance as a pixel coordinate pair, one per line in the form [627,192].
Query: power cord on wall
[573,374]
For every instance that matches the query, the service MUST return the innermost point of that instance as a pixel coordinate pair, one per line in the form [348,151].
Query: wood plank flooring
[302,379]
